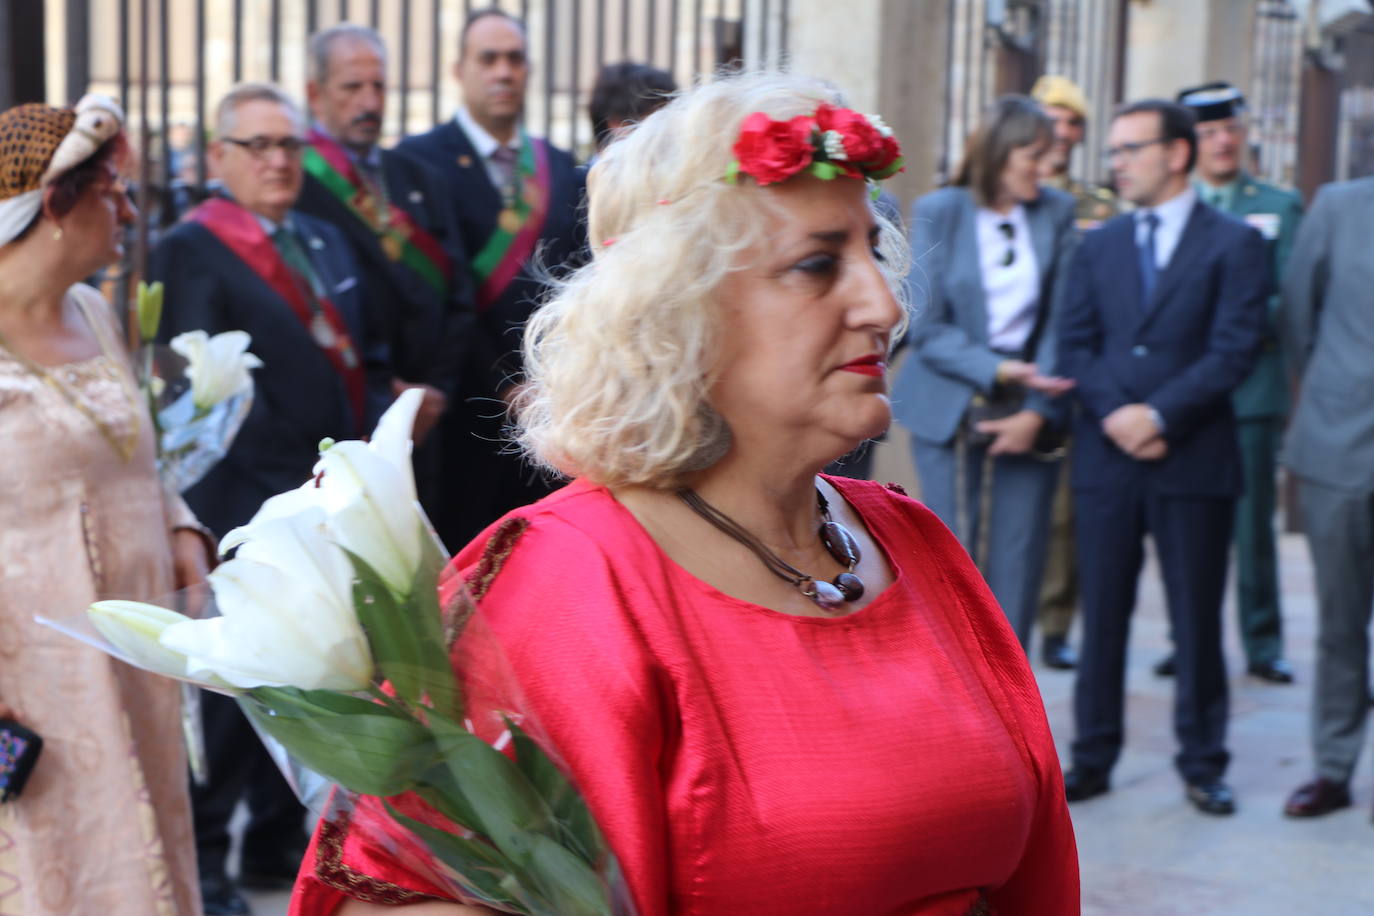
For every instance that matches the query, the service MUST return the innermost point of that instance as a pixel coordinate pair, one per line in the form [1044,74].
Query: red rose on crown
[770,151]
[864,144]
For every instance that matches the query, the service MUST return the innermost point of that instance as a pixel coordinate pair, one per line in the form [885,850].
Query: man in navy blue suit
[250,262]
[518,203]
[398,215]
[1163,319]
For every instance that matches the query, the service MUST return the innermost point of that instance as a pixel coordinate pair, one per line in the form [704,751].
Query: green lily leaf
[406,648]
[505,804]
[363,746]
[732,173]
[576,826]
[566,880]
[478,866]
[427,618]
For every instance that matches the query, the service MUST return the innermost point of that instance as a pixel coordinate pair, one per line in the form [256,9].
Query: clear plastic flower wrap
[192,438]
[199,390]
[395,719]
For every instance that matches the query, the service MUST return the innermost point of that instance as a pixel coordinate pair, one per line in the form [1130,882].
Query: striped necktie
[1149,266]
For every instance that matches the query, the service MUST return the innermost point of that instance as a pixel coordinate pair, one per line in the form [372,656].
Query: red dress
[741,760]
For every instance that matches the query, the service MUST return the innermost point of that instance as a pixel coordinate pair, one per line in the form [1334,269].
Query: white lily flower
[287,605]
[367,492]
[134,628]
[217,366]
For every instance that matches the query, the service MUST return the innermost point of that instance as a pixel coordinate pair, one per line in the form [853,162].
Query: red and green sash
[242,234]
[518,227]
[400,237]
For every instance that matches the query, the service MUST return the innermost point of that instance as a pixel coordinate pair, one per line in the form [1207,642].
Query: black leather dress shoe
[1318,797]
[1082,784]
[1276,672]
[1165,666]
[219,896]
[1212,797]
[1056,653]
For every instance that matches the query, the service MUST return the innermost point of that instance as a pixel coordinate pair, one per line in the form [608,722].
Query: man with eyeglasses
[1162,319]
[1261,401]
[516,197]
[397,214]
[249,262]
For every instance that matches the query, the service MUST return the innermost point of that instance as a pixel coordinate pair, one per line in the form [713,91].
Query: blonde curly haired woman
[779,692]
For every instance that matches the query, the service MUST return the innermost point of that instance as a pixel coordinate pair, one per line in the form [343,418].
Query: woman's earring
[57,234]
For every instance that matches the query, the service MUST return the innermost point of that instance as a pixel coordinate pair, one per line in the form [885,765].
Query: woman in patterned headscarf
[103,825]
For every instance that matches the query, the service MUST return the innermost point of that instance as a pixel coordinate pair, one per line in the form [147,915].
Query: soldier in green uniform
[1261,401]
[1064,102]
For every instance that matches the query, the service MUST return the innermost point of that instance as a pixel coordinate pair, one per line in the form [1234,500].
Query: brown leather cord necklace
[830,596]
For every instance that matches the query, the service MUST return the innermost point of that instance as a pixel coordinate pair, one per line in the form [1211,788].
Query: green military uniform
[1261,404]
[1096,204]
[1059,586]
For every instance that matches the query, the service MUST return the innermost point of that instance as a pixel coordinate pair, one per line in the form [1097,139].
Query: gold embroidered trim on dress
[499,547]
[332,871]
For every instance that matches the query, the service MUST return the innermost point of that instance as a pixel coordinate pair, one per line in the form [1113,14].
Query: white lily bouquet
[199,390]
[332,638]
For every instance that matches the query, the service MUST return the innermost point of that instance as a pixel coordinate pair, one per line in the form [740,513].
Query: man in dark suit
[250,262]
[1261,401]
[1163,319]
[397,215]
[518,202]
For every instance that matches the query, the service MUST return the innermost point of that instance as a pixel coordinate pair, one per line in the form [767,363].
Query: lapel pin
[465,161]
[416,197]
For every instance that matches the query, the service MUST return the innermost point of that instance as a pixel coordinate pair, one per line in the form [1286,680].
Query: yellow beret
[1052,89]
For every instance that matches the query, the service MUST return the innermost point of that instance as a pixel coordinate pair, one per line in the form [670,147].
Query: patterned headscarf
[39,143]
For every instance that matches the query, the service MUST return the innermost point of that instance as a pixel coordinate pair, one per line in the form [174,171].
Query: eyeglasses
[1128,150]
[259,146]
[1008,231]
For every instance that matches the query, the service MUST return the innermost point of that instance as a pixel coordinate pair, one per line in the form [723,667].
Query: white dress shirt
[485,144]
[1012,291]
[1173,217]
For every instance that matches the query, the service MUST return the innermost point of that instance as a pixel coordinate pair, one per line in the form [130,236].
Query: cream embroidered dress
[104,825]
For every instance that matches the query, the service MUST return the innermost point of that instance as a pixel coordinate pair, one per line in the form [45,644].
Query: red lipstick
[872,364]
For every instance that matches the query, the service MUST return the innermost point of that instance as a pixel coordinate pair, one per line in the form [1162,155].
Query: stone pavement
[1144,851]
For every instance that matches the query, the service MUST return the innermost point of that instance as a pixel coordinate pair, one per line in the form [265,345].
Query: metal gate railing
[168,61]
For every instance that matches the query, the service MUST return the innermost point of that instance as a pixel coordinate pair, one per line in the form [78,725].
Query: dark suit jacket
[429,333]
[298,399]
[952,359]
[1182,353]
[478,204]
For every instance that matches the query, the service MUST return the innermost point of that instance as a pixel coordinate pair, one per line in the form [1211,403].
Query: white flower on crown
[879,125]
[834,145]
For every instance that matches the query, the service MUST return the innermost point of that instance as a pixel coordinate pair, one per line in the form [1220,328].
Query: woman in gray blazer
[989,254]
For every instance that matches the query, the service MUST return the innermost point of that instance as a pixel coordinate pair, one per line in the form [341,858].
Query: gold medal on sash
[322,332]
[391,245]
[509,220]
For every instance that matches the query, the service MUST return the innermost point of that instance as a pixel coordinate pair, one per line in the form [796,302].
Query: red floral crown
[833,141]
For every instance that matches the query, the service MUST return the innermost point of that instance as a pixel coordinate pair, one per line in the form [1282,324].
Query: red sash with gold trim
[242,234]
[509,247]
